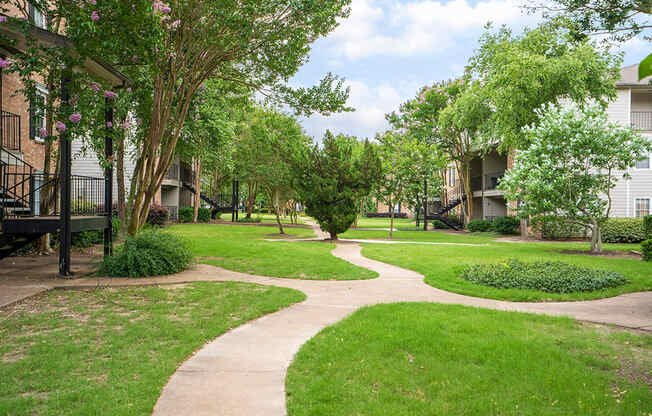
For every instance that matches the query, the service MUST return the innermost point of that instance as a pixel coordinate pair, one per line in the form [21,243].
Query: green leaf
[645,67]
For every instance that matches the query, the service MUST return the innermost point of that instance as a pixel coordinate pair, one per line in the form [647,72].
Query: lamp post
[425,204]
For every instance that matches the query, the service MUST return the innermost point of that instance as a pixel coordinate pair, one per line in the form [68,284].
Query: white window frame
[43,92]
[37,17]
[649,206]
[649,163]
[451,177]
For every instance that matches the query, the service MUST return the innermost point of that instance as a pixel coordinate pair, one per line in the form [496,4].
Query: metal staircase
[438,214]
[219,205]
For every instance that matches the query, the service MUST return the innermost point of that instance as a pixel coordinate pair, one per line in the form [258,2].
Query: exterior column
[108,178]
[64,178]
[233,202]
[237,198]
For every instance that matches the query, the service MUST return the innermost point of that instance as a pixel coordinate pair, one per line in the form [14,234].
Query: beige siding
[619,110]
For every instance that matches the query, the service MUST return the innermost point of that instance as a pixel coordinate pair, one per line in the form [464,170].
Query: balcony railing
[10,125]
[491,181]
[642,120]
[173,172]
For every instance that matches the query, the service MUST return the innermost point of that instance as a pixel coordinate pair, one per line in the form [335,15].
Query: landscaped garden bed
[432,359]
[111,351]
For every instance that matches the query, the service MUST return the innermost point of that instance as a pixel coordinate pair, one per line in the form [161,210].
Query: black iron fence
[10,124]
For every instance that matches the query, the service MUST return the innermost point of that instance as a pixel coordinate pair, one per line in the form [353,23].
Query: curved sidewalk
[243,371]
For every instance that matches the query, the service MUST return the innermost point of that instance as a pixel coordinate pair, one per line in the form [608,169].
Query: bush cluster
[557,228]
[158,215]
[386,215]
[647,226]
[149,253]
[646,250]
[438,225]
[623,230]
[476,226]
[502,225]
[187,214]
[546,276]
[250,219]
[85,239]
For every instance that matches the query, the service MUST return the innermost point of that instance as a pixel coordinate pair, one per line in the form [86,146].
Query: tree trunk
[277,209]
[596,238]
[197,163]
[120,172]
[251,198]
[391,219]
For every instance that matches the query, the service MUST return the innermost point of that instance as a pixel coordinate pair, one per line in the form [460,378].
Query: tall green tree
[574,160]
[520,73]
[331,180]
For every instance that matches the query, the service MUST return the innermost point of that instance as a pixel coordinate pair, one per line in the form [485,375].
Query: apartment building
[630,198]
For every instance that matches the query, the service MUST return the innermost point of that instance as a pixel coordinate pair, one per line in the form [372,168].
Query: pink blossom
[95,87]
[61,126]
[124,124]
[75,118]
[3,19]
[4,63]
[93,2]
[95,16]
[202,19]
[175,24]
[110,94]
[43,133]
[128,89]
[109,124]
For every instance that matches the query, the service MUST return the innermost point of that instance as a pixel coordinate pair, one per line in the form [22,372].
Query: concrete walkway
[243,371]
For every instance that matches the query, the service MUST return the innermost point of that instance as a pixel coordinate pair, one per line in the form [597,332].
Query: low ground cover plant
[255,219]
[546,276]
[148,253]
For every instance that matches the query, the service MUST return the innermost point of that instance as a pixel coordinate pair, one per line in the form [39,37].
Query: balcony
[641,120]
[487,183]
[10,131]
[173,173]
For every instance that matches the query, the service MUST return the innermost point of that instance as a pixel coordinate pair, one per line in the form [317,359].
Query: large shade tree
[574,160]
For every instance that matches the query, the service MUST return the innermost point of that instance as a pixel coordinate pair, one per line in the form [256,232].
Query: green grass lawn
[430,236]
[243,248]
[432,359]
[441,266]
[365,222]
[111,351]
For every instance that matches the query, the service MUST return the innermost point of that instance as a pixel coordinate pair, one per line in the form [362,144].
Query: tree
[574,160]
[519,74]
[331,180]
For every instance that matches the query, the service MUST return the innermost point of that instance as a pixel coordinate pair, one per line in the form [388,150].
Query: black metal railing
[173,212]
[492,180]
[642,120]
[11,126]
[87,196]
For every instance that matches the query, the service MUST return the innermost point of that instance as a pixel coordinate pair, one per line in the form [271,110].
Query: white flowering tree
[575,159]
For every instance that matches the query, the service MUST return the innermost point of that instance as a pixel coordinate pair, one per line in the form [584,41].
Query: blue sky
[388,49]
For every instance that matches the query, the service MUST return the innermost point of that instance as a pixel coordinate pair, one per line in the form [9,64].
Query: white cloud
[423,26]
[371,104]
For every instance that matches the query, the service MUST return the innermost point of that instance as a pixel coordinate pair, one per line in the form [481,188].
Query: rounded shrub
[251,219]
[646,250]
[647,226]
[158,215]
[204,215]
[186,214]
[476,226]
[506,225]
[558,228]
[149,253]
[623,230]
[546,276]
[438,225]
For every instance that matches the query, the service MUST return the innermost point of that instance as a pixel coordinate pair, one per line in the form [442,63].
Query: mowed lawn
[111,351]
[441,264]
[427,236]
[243,248]
[433,359]
[268,218]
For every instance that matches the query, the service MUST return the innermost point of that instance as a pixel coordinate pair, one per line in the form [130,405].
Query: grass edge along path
[244,249]
[424,358]
[441,266]
[111,350]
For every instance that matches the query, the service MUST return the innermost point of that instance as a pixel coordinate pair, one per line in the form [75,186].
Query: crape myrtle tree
[332,179]
[171,48]
[574,160]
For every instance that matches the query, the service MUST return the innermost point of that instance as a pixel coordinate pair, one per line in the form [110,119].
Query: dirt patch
[611,254]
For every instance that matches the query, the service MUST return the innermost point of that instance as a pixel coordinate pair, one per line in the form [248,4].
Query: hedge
[386,215]
[647,226]
[506,225]
[479,226]
[646,250]
[623,230]
[558,228]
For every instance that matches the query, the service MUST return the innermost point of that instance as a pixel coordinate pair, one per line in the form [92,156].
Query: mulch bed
[614,254]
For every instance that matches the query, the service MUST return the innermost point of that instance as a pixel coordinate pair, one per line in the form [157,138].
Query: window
[37,119]
[451,176]
[642,207]
[643,163]
[37,17]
